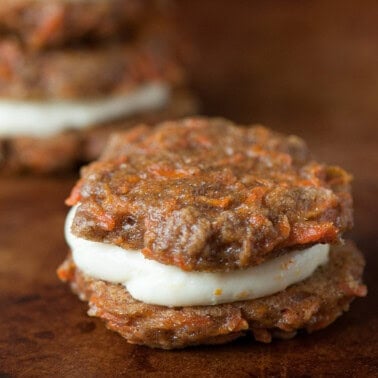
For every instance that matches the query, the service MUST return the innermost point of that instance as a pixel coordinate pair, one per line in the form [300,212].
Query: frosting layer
[155,283]
[43,119]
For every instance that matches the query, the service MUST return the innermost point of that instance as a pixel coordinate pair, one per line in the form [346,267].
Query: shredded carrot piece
[49,26]
[256,195]
[304,233]
[216,202]
[106,221]
[168,172]
[75,195]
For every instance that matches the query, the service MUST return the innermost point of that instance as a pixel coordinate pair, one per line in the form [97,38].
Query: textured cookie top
[53,23]
[205,194]
[85,72]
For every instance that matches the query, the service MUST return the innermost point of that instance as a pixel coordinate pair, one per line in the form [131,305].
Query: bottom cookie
[311,305]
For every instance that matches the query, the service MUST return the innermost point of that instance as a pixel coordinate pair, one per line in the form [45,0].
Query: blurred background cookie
[52,98]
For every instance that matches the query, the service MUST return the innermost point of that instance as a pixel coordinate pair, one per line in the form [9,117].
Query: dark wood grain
[305,67]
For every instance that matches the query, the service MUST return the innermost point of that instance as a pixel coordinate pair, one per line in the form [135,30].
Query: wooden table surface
[304,67]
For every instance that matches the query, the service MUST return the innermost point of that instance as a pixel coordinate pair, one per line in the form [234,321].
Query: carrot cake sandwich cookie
[73,71]
[199,231]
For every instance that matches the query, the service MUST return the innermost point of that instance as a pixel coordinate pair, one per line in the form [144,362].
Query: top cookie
[51,23]
[87,73]
[207,195]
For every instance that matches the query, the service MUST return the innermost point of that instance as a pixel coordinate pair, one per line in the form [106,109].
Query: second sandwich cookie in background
[63,90]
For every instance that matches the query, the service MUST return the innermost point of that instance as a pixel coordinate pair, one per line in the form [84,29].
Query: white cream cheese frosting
[155,283]
[46,118]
